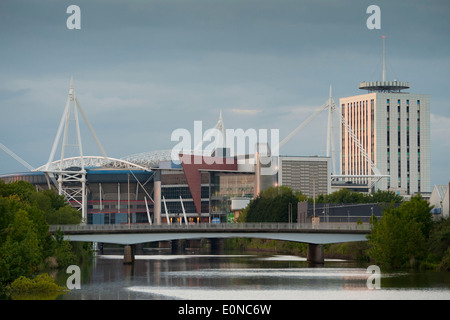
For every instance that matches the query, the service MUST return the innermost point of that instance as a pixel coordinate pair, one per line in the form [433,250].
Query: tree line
[272,204]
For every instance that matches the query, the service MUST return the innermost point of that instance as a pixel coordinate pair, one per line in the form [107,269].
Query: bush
[42,283]
[64,254]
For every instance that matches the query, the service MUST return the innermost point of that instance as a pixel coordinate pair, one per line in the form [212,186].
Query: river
[162,275]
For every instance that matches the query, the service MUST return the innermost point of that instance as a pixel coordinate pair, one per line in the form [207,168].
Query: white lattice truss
[149,159]
[90,161]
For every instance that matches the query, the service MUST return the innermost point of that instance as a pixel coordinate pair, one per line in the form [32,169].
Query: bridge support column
[157,197]
[128,254]
[315,253]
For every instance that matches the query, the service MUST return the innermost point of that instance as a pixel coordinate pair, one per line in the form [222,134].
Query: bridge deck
[137,233]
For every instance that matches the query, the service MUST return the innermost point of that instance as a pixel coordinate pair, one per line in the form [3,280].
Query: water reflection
[246,276]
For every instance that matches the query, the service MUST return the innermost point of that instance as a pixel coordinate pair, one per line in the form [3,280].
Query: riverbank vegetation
[41,287]
[407,236]
[26,246]
[404,237]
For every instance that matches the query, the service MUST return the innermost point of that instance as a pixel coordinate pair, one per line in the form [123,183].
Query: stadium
[192,186]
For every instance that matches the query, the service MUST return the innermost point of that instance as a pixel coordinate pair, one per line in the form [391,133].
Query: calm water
[160,275]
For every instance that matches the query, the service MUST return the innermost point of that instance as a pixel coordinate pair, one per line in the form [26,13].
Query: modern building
[309,175]
[440,199]
[394,128]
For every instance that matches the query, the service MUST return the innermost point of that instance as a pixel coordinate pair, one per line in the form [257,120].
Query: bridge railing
[221,226]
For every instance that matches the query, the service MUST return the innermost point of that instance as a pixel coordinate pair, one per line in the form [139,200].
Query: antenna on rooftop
[384,86]
[384,58]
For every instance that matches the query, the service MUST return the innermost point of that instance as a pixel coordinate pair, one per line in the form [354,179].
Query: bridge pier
[128,254]
[315,254]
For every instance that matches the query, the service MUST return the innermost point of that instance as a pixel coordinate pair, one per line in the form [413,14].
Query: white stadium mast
[71,181]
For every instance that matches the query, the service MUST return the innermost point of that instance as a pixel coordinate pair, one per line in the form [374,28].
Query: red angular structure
[191,165]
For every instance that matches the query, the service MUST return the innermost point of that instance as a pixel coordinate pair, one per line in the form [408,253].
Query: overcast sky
[142,69]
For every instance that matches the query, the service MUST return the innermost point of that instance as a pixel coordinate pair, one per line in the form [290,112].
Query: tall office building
[394,128]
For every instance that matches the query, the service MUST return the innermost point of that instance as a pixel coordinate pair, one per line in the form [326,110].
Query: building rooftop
[384,86]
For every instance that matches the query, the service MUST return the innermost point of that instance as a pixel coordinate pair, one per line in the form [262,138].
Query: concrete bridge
[315,235]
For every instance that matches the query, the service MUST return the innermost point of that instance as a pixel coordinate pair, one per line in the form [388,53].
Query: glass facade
[225,186]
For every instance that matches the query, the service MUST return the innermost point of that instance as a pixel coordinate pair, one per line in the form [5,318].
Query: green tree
[20,254]
[272,205]
[22,189]
[418,210]
[8,206]
[399,237]
[385,196]
[439,244]
[64,215]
